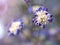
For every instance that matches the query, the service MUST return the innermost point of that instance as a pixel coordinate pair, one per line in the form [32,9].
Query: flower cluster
[41,15]
[15,27]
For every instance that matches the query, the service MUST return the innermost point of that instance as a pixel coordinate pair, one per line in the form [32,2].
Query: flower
[15,27]
[28,1]
[53,31]
[33,8]
[42,17]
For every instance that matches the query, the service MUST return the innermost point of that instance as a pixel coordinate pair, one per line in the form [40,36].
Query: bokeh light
[1,31]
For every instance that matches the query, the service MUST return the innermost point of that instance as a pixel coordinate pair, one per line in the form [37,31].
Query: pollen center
[14,26]
[42,17]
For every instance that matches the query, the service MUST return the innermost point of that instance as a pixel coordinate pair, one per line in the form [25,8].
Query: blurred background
[30,35]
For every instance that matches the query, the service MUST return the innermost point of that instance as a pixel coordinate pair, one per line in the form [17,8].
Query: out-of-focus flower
[27,1]
[32,9]
[53,31]
[15,27]
[3,6]
[41,16]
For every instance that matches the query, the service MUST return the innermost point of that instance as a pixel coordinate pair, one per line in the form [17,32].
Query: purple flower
[28,1]
[42,17]
[15,27]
